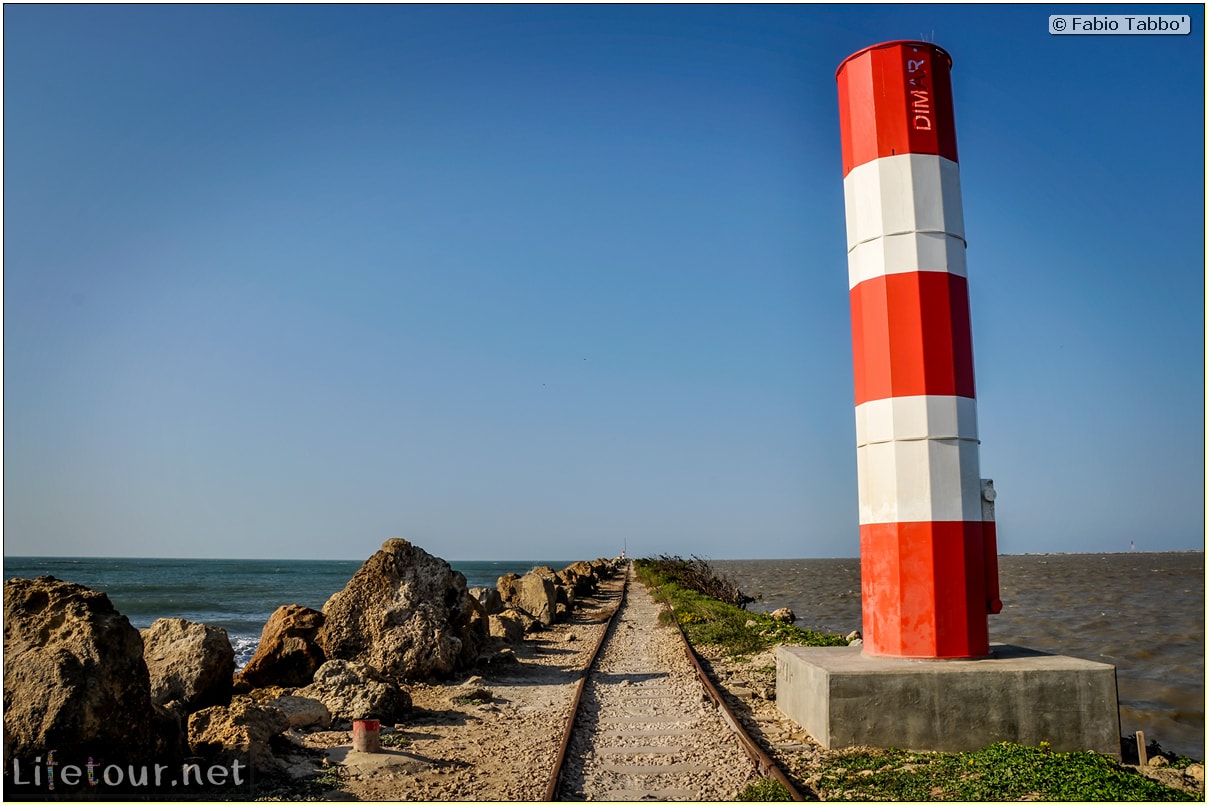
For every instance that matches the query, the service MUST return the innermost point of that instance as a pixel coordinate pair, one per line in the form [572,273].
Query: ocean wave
[245,647]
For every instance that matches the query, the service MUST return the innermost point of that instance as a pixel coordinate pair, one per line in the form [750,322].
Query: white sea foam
[244,646]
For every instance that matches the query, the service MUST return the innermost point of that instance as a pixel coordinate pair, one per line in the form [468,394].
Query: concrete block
[843,698]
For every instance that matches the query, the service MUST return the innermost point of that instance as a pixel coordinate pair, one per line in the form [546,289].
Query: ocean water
[237,595]
[1142,612]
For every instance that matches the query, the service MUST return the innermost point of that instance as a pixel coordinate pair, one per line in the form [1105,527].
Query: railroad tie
[645,730]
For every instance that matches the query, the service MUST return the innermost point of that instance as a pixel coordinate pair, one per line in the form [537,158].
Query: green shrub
[766,789]
[696,574]
[394,740]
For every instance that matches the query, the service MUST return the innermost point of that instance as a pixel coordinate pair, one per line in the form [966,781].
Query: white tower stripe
[916,459]
[913,195]
[918,480]
[916,417]
[906,252]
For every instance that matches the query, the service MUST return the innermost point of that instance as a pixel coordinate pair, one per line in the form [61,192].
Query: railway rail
[647,723]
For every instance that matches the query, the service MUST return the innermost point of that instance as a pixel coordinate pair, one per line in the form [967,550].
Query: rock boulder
[581,577]
[509,629]
[75,680]
[289,652]
[237,733]
[527,622]
[188,662]
[489,598]
[302,712]
[506,586]
[532,594]
[352,690]
[606,569]
[405,613]
[565,595]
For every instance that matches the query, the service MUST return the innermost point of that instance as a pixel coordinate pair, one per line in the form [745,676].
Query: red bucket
[365,735]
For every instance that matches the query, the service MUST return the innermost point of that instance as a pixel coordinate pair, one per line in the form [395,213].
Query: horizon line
[6,557]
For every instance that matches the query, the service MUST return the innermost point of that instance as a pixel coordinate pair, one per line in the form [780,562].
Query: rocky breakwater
[404,616]
[543,596]
[80,681]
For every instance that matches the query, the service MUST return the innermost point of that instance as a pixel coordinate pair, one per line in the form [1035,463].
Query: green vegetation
[766,789]
[280,786]
[707,620]
[1001,772]
[327,778]
[697,575]
[1183,762]
[393,740]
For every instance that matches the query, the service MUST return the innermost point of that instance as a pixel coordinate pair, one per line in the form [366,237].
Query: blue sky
[540,281]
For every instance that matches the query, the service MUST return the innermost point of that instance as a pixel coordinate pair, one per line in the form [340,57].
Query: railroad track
[648,724]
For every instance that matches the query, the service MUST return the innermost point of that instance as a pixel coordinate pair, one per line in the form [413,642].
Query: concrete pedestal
[843,698]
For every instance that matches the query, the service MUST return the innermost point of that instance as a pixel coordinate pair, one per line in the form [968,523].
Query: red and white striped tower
[928,560]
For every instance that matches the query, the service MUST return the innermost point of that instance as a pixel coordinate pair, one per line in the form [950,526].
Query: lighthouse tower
[928,559]
[926,677]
